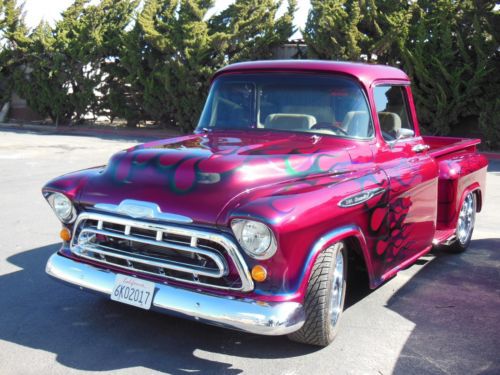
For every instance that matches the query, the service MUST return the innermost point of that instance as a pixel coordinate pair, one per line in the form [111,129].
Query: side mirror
[403,133]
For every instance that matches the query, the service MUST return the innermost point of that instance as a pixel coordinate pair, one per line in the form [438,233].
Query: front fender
[72,183]
[307,217]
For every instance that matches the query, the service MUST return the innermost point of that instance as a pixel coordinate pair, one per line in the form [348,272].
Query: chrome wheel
[324,299]
[466,219]
[337,293]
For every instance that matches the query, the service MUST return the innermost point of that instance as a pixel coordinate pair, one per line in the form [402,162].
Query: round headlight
[255,238]
[62,207]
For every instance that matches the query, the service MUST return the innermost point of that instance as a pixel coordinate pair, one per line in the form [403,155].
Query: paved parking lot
[440,316]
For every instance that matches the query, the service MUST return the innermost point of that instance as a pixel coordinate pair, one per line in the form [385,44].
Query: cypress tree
[145,61]
[250,30]
[452,56]
[181,47]
[13,43]
[188,72]
[65,67]
[110,21]
[358,30]
[331,30]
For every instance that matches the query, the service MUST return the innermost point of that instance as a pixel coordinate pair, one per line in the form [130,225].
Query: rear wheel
[465,224]
[324,300]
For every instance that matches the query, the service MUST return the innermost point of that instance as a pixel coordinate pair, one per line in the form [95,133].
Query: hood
[199,175]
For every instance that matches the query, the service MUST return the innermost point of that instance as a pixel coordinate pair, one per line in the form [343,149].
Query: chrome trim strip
[420,148]
[142,210]
[147,260]
[50,196]
[246,315]
[231,248]
[361,197]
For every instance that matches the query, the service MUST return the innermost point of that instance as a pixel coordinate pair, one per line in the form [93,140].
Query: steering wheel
[329,126]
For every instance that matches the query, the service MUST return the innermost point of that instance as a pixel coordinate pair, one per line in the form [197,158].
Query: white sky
[50,10]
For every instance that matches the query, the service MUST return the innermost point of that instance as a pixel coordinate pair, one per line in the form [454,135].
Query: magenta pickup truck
[297,170]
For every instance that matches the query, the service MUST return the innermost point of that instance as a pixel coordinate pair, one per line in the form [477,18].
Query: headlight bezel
[238,225]
[71,215]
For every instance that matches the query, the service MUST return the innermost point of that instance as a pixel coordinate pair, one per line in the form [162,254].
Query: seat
[357,124]
[390,123]
[289,121]
[322,113]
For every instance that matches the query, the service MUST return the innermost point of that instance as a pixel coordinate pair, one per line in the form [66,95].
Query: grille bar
[216,258]
[183,254]
[150,261]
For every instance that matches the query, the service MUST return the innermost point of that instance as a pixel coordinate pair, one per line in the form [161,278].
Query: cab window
[392,109]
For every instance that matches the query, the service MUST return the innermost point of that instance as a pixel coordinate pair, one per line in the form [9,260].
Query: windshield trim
[200,129]
[293,132]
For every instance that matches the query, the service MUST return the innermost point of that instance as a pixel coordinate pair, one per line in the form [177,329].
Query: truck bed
[441,146]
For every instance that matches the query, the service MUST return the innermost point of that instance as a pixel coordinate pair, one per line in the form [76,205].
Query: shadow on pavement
[89,332]
[454,302]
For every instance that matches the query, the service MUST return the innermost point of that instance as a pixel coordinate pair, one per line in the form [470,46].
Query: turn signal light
[259,273]
[65,234]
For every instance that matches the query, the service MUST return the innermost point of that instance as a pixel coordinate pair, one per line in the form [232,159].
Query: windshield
[288,102]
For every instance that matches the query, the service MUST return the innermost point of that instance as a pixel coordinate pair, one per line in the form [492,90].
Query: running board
[444,237]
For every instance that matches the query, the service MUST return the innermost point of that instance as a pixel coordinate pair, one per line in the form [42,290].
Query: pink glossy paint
[294,183]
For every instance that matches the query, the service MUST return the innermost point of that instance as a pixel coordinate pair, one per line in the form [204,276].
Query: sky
[37,10]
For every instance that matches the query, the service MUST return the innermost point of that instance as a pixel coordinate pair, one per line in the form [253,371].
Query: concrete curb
[124,132]
[93,131]
[492,155]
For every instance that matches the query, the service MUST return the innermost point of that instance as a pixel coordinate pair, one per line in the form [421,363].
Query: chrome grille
[170,252]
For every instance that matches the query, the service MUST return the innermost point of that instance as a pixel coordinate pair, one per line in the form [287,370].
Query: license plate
[133,291]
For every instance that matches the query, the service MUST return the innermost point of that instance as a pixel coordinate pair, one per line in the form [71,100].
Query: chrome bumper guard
[241,314]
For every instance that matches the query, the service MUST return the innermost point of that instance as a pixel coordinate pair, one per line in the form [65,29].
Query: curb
[124,132]
[492,155]
[93,131]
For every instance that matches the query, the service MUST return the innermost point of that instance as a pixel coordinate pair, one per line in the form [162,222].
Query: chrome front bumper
[241,314]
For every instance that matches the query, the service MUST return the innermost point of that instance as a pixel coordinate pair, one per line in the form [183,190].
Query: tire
[325,296]
[465,225]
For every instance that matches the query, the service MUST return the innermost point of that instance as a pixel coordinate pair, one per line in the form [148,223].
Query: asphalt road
[440,316]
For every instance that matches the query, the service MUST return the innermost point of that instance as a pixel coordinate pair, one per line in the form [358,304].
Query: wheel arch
[479,199]
[474,188]
[355,242]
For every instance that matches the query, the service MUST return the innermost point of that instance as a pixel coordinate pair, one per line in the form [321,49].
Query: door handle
[420,148]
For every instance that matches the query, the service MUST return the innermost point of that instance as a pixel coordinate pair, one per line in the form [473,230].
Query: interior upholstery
[322,113]
[289,121]
[357,124]
[390,122]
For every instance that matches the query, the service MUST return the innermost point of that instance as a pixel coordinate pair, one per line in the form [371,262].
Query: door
[408,219]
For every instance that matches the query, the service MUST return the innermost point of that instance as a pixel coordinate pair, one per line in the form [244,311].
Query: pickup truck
[297,173]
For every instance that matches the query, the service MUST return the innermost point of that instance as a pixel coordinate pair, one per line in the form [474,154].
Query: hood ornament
[142,210]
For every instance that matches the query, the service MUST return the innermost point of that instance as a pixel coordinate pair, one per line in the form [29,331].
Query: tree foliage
[332,31]
[449,47]
[452,55]
[152,59]
[64,66]
[13,42]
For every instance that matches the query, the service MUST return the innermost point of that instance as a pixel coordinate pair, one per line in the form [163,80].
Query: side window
[392,109]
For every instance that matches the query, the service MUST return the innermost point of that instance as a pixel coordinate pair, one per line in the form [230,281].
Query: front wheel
[465,225]
[324,300]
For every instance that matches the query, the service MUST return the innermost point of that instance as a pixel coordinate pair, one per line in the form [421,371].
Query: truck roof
[366,73]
